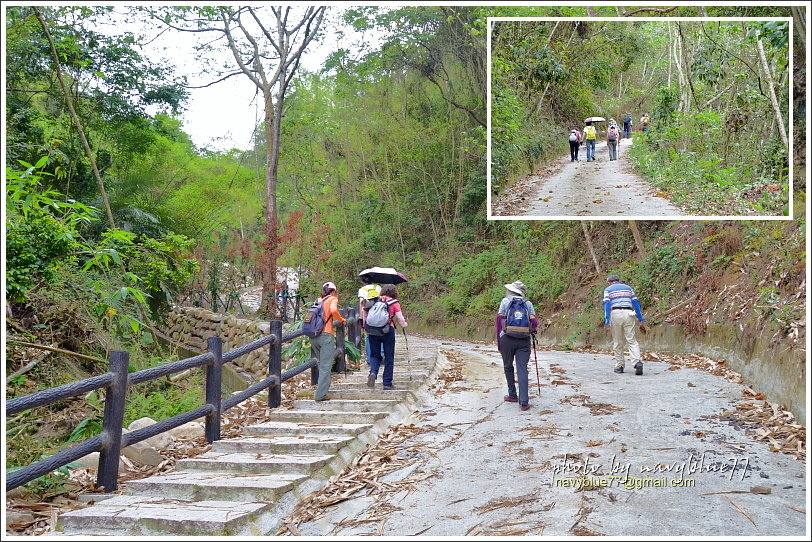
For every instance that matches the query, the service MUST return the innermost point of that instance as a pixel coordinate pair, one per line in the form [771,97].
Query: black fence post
[314,371]
[214,386]
[275,365]
[340,364]
[352,326]
[113,420]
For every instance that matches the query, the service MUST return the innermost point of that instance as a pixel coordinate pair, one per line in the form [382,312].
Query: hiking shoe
[510,399]
[618,370]
[525,407]
[371,380]
[638,368]
[325,398]
[389,387]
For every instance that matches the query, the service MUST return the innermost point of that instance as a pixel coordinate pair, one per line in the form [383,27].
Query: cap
[517,287]
[613,278]
[328,286]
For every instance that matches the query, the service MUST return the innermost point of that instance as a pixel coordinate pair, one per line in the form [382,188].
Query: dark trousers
[388,342]
[518,349]
[574,150]
[627,130]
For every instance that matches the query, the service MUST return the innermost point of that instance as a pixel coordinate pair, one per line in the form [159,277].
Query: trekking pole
[535,357]
[406,339]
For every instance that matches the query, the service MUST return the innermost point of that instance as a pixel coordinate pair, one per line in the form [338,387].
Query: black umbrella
[383,275]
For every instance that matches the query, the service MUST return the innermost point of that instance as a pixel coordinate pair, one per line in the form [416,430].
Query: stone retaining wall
[191,327]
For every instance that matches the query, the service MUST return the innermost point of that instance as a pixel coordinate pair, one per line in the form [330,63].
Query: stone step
[370,393]
[303,428]
[215,486]
[362,378]
[131,515]
[361,386]
[347,405]
[254,463]
[301,444]
[326,416]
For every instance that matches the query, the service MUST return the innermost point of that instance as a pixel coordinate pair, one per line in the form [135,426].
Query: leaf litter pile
[34,512]
[765,421]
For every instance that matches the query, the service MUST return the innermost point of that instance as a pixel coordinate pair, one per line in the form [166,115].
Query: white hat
[328,286]
[517,287]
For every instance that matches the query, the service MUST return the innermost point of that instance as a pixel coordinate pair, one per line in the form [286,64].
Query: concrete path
[597,189]
[598,453]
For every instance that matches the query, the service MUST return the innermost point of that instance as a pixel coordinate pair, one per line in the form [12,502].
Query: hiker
[612,139]
[515,323]
[324,345]
[627,126]
[380,326]
[620,308]
[575,143]
[644,122]
[590,136]
[366,296]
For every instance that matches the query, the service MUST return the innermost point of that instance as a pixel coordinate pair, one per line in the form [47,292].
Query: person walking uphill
[380,328]
[627,126]
[612,140]
[575,143]
[366,296]
[515,323]
[324,344]
[590,136]
[620,308]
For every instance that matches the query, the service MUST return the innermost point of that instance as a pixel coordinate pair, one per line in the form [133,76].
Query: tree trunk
[779,118]
[588,239]
[75,118]
[638,240]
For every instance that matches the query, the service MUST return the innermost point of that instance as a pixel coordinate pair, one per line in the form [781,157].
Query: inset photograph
[641,119]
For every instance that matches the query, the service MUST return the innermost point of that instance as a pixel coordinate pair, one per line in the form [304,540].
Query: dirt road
[599,189]
[597,453]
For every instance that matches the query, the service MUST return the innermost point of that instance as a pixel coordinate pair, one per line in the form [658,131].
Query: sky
[223,116]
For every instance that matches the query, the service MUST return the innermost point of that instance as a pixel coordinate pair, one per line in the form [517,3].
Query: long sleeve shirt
[620,296]
[330,308]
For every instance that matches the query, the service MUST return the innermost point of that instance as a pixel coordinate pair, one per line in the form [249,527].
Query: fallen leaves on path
[363,478]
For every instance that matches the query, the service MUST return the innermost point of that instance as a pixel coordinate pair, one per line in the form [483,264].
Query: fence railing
[117,381]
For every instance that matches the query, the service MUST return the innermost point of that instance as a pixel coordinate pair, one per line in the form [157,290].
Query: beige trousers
[624,324]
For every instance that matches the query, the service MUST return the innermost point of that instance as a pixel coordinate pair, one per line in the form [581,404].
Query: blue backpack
[313,321]
[517,319]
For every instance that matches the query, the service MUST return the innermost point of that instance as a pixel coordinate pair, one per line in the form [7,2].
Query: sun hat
[328,286]
[516,287]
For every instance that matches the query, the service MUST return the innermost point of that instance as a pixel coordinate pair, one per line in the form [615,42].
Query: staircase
[245,486]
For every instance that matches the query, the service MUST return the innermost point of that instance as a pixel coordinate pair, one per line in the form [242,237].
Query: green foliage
[162,404]
[41,231]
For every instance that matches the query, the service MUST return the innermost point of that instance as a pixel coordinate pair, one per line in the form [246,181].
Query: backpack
[589,131]
[517,319]
[313,322]
[627,119]
[612,133]
[573,137]
[378,319]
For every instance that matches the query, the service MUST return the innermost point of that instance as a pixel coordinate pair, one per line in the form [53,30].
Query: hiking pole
[535,357]
[408,357]
[406,340]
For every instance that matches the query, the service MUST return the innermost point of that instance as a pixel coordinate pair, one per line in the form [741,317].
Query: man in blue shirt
[620,309]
